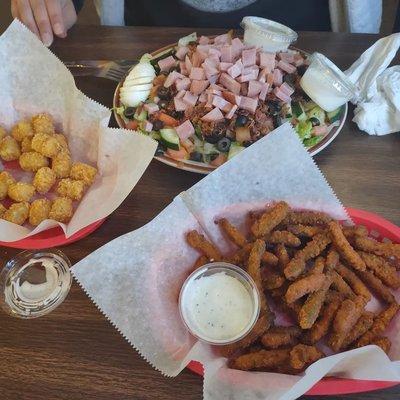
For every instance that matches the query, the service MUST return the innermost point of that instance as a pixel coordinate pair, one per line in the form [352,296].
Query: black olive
[290,79]
[301,69]
[163,93]
[177,114]
[274,107]
[196,156]
[157,125]
[213,138]
[224,144]
[277,120]
[241,120]
[163,103]
[160,149]
[314,121]
[129,112]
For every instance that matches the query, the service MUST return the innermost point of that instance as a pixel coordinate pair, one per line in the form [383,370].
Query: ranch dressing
[218,307]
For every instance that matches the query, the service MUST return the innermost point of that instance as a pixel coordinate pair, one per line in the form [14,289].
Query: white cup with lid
[266,34]
[326,84]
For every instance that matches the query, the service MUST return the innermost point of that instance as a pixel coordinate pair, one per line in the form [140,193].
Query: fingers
[25,15]
[42,21]
[14,9]
[56,18]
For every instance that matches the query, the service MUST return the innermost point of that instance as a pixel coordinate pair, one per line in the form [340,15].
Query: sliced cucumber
[235,148]
[317,112]
[170,138]
[298,111]
[335,114]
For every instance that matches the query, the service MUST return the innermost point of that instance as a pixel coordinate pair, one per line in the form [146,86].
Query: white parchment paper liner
[34,80]
[135,279]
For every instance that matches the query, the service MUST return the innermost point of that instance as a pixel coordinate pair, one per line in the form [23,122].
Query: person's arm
[46,18]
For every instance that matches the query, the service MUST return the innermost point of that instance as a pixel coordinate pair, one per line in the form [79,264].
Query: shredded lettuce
[184,41]
[146,58]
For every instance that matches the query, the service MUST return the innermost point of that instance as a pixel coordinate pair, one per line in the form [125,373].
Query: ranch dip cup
[266,34]
[219,303]
[326,84]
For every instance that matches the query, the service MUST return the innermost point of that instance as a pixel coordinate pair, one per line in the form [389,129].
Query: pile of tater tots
[56,181]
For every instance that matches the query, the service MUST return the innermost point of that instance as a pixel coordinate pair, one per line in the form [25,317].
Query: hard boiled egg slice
[133,98]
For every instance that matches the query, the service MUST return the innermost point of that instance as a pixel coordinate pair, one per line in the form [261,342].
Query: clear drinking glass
[33,284]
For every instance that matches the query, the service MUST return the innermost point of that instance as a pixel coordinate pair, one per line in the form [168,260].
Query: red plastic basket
[380,229]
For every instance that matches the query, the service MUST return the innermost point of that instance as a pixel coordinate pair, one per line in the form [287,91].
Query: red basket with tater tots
[385,232]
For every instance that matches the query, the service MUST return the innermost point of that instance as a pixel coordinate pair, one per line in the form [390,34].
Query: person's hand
[45,18]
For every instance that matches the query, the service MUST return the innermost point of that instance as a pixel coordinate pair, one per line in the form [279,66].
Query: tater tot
[26,145]
[9,149]
[43,123]
[3,190]
[44,179]
[83,172]
[46,145]
[17,213]
[39,211]
[61,164]
[71,188]
[7,178]
[38,140]
[32,161]
[2,210]
[22,130]
[61,209]
[3,132]
[21,191]
[62,140]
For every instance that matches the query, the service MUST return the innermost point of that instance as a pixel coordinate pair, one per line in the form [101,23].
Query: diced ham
[270,79]
[249,70]
[182,84]
[182,67]
[179,104]
[204,40]
[298,60]
[188,64]
[234,71]
[249,57]
[213,52]
[203,97]
[248,77]
[249,104]
[217,92]
[229,83]
[151,108]
[197,73]
[277,75]
[243,89]
[213,116]
[287,89]
[224,66]
[262,76]
[227,54]
[216,87]
[254,88]
[172,77]
[202,53]
[221,103]
[281,95]
[209,70]
[203,48]
[267,61]
[190,99]
[185,130]
[214,59]
[223,39]
[264,91]
[148,126]
[167,63]
[289,68]
[180,94]
[196,59]
[232,97]
[286,56]
[210,97]
[197,87]
[231,112]
[181,52]
[319,130]
[237,47]
[213,78]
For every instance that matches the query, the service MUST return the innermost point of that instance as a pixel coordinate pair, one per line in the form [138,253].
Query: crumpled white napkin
[378,97]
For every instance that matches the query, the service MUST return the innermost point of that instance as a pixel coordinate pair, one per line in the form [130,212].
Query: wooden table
[74,353]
